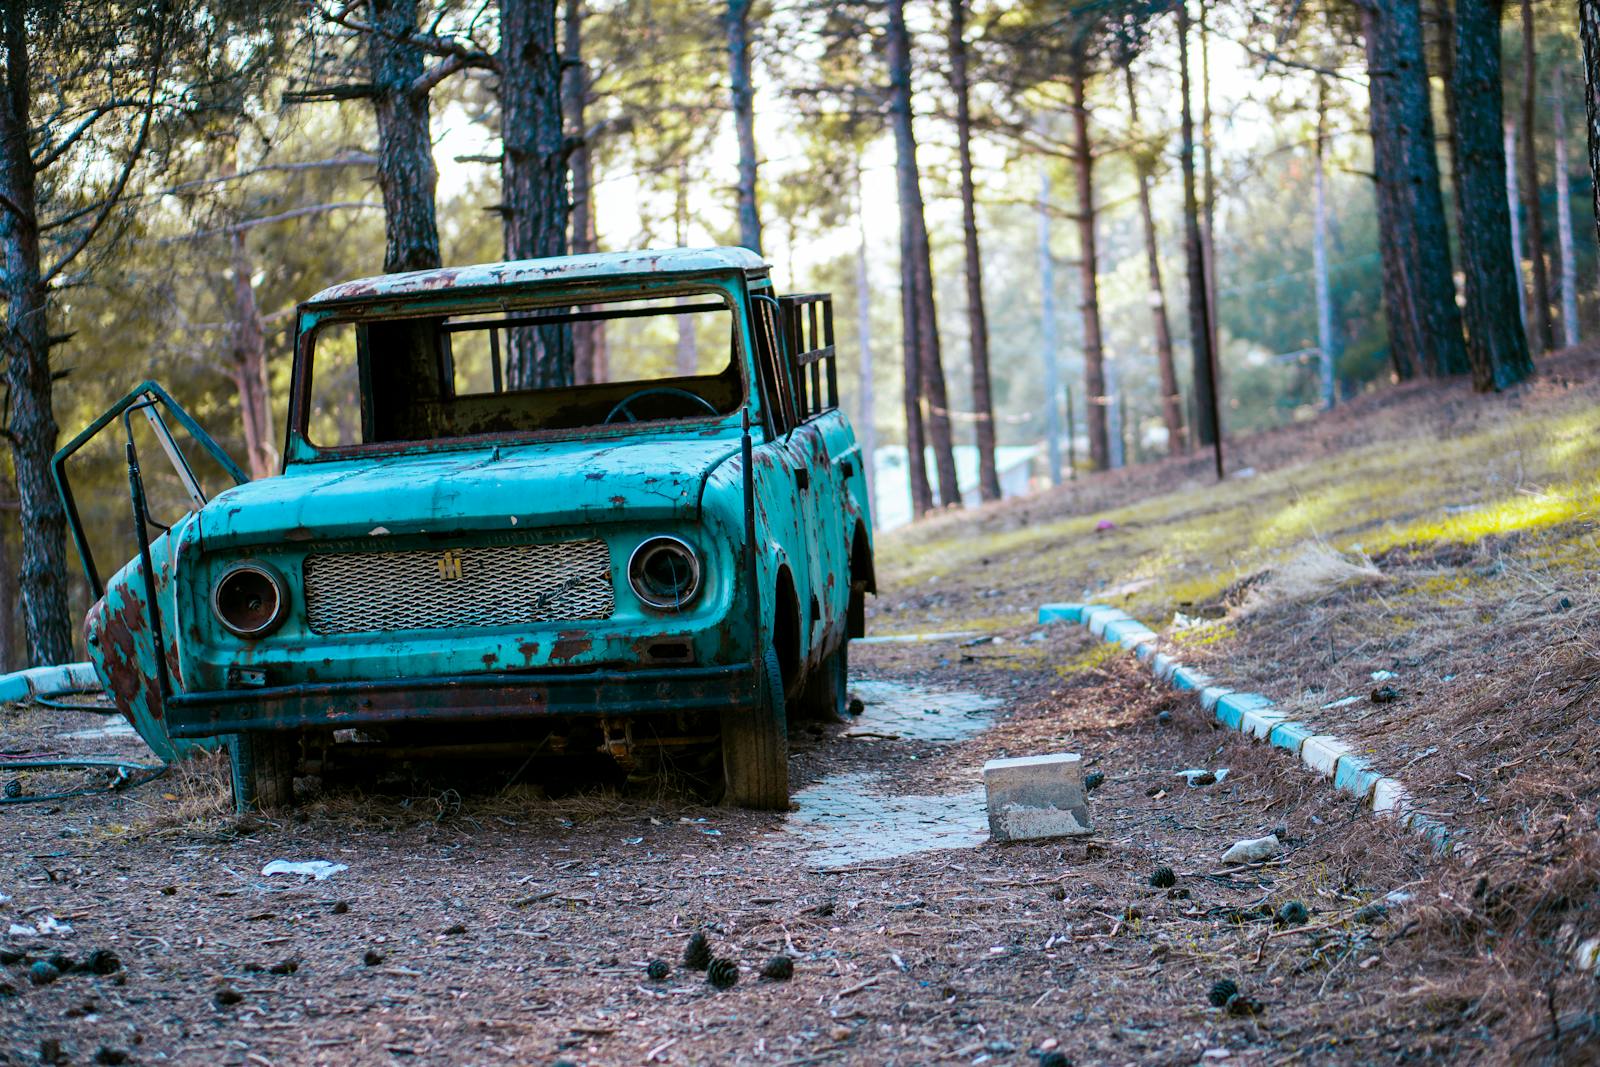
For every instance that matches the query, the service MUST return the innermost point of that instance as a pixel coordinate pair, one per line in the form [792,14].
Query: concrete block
[1354,775]
[1389,797]
[1120,630]
[1060,613]
[1258,722]
[1102,616]
[1231,708]
[1189,678]
[1036,797]
[1145,647]
[1289,736]
[1321,753]
[1211,694]
[1163,665]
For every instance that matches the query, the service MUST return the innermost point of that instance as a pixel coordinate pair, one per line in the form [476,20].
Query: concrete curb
[47,681]
[1257,716]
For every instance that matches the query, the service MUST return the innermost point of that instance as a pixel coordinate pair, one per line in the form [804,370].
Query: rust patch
[569,644]
[490,659]
[529,649]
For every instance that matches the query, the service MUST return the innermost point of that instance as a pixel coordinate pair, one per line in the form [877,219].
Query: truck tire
[263,767]
[755,746]
[824,698]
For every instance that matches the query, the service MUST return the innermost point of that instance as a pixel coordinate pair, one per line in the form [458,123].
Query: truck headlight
[250,599]
[665,572]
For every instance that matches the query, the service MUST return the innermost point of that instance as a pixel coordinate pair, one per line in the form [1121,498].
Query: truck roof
[519,272]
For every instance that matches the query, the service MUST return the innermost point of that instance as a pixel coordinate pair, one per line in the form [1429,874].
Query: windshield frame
[729,285]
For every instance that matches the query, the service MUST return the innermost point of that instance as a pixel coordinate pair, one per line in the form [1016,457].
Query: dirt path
[506,929]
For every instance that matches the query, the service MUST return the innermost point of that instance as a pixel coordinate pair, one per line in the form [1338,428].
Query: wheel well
[786,627]
[861,569]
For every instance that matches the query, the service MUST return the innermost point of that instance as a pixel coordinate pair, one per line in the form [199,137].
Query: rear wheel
[755,746]
[823,699]
[263,767]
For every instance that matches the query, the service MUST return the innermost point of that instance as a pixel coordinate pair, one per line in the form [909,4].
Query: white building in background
[892,486]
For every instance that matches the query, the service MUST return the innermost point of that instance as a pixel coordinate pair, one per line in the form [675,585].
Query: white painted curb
[1258,717]
[47,681]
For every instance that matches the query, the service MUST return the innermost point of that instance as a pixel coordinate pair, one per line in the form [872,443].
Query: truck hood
[556,483]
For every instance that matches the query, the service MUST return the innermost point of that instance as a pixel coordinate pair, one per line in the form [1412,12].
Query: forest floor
[1423,531]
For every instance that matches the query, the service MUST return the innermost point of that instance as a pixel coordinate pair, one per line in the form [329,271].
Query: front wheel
[824,697]
[263,766]
[755,746]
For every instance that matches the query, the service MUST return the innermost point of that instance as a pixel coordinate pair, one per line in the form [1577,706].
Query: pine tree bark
[1543,336]
[1047,331]
[1094,370]
[248,359]
[1514,213]
[406,174]
[1202,359]
[1589,30]
[1569,262]
[1327,339]
[917,273]
[977,321]
[744,121]
[1208,196]
[533,177]
[1171,399]
[32,425]
[1419,292]
[586,336]
[1496,344]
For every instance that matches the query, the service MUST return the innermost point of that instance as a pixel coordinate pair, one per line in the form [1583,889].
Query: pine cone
[779,969]
[1292,914]
[1239,1004]
[1054,1058]
[722,973]
[657,970]
[1163,878]
[697,953]
[1093,780]
[1222,990]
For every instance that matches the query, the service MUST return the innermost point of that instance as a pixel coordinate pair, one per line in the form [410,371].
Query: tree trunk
[1204,365]
[1419,292]
[977,322]
[1047,330]
[406,173]
[586,336]
[1514,210]
[914,242]
[1208,198]
[1589,30]
[1094,372]
[1539,320]
[1569,262]
[1327,340]
[32,424]
[533,177]
[1171,399]
[866,421]
[248,353]
[744,120]
[1495,342]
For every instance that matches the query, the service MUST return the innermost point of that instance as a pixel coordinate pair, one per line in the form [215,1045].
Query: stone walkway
[852,818]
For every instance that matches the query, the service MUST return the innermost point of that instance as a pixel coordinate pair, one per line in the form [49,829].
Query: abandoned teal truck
[473,549]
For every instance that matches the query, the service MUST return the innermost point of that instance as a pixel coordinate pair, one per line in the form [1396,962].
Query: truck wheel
[755,746]
[263,770]
[823,699]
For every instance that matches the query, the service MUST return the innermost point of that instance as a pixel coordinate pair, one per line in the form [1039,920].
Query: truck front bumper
[462,698]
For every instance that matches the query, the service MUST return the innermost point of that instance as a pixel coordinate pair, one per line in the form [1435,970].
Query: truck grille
[474,587]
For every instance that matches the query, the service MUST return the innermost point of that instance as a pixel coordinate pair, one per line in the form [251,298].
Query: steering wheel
[659,390]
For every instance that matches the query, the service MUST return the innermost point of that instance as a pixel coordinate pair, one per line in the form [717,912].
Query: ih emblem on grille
[449,565]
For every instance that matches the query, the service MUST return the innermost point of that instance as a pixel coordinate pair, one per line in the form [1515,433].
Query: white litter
[318,869]
[1344,702]
[18,930]
[45,927]
[1253,850]
[1382,676]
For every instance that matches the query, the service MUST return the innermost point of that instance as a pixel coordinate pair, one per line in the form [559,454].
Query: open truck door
[131,627]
